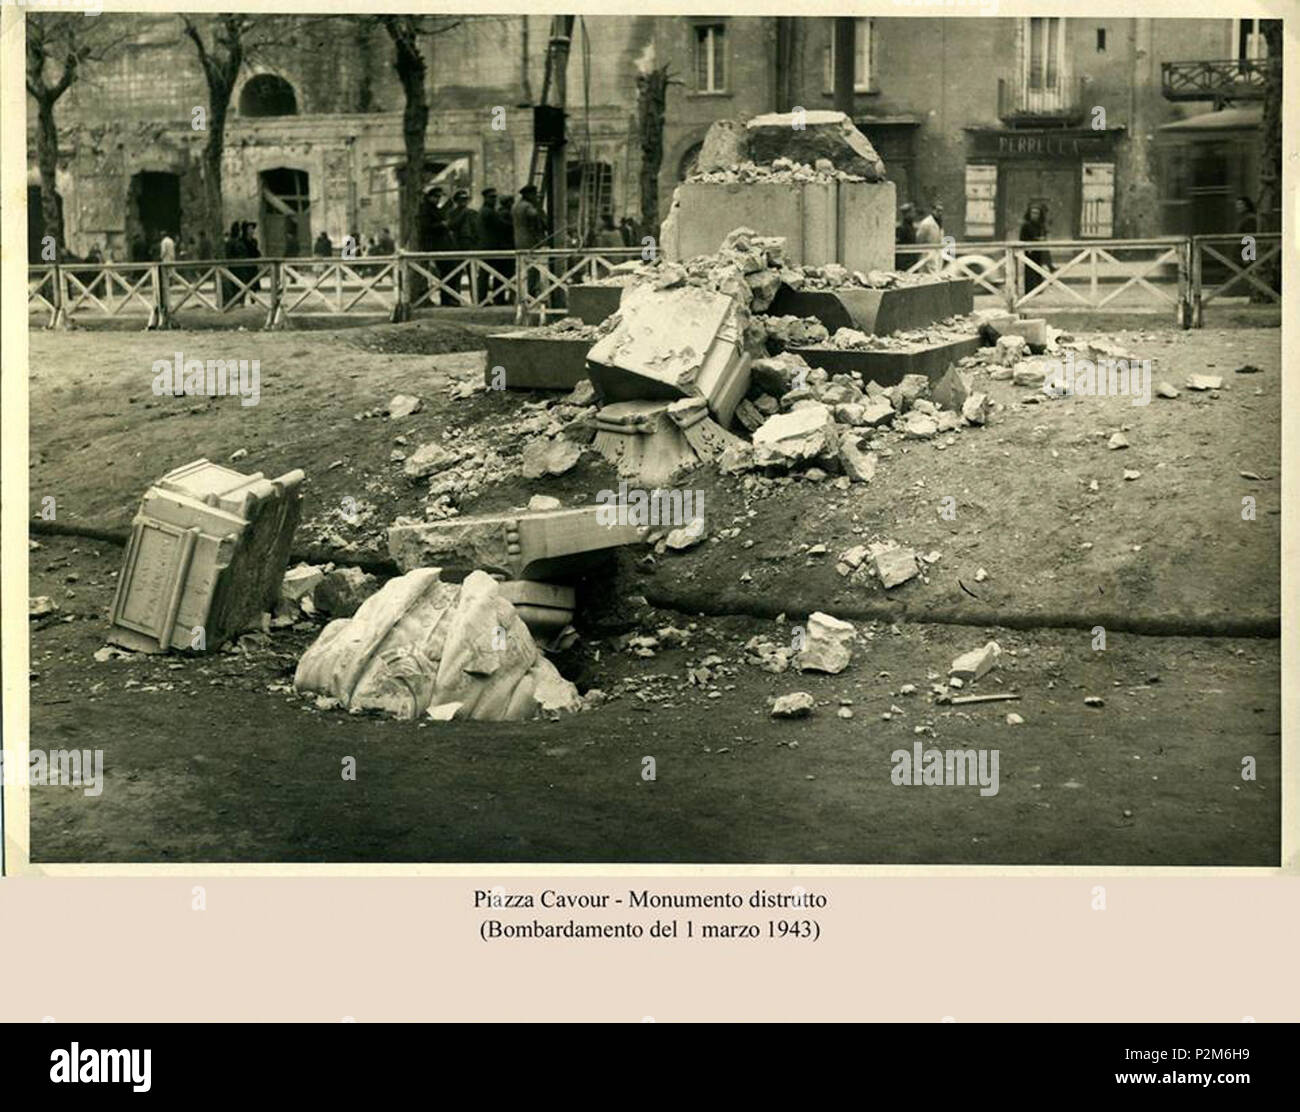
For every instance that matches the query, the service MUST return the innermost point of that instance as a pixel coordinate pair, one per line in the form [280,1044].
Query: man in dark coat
[463,222]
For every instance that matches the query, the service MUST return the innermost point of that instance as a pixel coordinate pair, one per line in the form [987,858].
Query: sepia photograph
[653,439]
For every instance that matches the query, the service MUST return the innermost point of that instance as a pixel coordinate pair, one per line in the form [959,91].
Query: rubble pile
[782,171]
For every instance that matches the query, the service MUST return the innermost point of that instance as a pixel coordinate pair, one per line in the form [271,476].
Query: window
[1098,208]
[267,95]
[1101,40]
[1044,53]
[981,199]
[861,57]
[710,58]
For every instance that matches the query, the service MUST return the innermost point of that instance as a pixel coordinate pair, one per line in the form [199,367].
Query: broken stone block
[948,421]
[775,374]
[821,134]
[671,344]
[951,391]
[763,287]
[550,457]
[1204,382]
[1029,374]
[910,389]
[767,405]
[747,413]
[1010,349]
[300,581]
[919,426]
[972,665]
[643,442]
[584,394]
[850,413]
[420,643]
[403,405]
[859,465]
[516,545]
[723,147]
[1034,332]
[1165,390]
[1118,440]
[790,438]
[205,558]
[877,411]
[40,606]
[706,437]
[428,459]
[894,566]
[975,409]
[342,591]
[543,502]
[688,536]
[828,646]
[581,430]
[798,704]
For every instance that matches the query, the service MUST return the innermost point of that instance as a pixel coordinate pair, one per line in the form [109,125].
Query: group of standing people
[913,228]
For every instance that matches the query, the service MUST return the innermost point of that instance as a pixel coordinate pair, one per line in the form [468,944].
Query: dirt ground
[215,759]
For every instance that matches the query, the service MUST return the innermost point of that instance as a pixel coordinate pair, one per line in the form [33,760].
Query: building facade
[979,115]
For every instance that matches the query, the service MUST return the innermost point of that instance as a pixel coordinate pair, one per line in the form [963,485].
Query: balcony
[1234,79]
[1058,105]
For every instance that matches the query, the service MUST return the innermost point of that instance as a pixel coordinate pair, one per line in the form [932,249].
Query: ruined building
[1110,121]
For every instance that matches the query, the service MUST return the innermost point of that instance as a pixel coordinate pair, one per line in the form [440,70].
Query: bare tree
[224,44]
[59,47]
[651,97]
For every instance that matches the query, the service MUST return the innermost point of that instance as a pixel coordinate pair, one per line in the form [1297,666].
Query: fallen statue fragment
[421,646]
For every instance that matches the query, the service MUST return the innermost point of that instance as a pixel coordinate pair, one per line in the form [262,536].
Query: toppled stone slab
[671,344]
[205,559]
[790,438]
[828,645]
[516,545]
[420,643]
[797,704]
[972,665]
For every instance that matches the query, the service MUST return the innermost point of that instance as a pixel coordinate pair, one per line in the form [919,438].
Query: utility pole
[555,95]
[845,50]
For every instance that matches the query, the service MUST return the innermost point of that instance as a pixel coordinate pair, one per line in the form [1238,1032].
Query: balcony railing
[1060,103]
[1234,79]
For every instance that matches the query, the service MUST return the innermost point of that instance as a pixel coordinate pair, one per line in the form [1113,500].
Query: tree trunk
[213,150]
[47,159]
[1270,156]
[652,90]
[410,67]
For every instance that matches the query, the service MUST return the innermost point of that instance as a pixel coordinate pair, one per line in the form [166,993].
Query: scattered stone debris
[40,606]
[1204,382]
[1165,390]
[828,645]
[974,664]
[893,564]
[1094,701]
[1117,440]
[798,704]
[550,457]
[403,405]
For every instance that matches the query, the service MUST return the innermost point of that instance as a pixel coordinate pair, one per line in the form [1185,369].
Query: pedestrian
[1033,229]
[251,251]
[530,232]
[435,235]
[232,249]
[205,246]
[489,236]
[607,235]
[323,248]
[1247,216]
[385,245]
[905,235]
[463,222]
[139,248]
[929,231]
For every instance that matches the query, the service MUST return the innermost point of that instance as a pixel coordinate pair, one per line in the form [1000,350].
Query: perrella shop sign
[1042,144]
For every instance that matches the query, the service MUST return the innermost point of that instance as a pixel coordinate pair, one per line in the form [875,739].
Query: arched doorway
[285,212]
[267,95]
